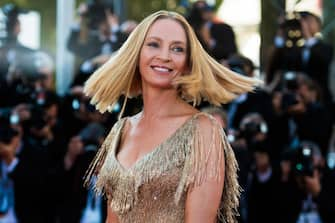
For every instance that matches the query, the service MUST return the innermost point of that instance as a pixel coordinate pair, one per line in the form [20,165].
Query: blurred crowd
[282,133]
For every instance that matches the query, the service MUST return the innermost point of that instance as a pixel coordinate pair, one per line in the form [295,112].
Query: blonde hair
[207,79]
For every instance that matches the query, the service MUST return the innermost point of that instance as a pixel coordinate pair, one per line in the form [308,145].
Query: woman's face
[164,54]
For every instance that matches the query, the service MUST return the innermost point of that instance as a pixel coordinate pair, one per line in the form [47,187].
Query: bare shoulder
[206,122]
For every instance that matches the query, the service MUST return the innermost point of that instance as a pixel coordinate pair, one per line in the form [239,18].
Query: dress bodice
[154,188]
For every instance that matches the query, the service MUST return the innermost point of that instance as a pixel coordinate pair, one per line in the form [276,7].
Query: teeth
[162,69]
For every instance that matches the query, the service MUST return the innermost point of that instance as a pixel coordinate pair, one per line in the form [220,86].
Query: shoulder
[208,133]
[206,122]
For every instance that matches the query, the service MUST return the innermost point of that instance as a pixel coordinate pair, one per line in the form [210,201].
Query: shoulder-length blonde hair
[206,79]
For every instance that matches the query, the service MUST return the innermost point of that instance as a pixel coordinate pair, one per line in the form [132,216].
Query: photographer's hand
[75,148]
[100,59]
[306,29]
[313,184]
[206,36]
[22,110]
[7,152]
[297,108]
[47,133]
[285,166]
[112,19]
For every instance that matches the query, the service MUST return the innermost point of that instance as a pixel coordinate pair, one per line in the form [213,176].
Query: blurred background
[282,134]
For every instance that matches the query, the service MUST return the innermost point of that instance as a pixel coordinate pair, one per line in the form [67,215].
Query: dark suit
[283,60]
[73,192]
[317,66]
[29,191]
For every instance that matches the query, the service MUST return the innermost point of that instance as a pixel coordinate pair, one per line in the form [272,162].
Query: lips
[161,69]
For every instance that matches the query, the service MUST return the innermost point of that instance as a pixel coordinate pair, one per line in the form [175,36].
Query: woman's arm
[202,202]
[203,199]
[111,216]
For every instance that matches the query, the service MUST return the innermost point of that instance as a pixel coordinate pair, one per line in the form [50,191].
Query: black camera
[38,120]
[289,85]
[288,99]
[290,81]
[303,162]
[250,129]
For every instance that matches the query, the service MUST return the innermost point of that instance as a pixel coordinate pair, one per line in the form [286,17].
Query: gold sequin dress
[154,189]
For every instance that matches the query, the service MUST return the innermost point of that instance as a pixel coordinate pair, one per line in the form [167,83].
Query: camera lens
[75,104]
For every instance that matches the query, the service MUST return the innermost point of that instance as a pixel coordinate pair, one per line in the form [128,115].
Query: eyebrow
[159,39]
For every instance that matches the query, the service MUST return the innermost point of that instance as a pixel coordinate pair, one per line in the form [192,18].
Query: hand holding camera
[312,183]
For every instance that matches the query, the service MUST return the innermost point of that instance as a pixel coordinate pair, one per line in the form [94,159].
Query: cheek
[144,60]
[141,64]
[181,64]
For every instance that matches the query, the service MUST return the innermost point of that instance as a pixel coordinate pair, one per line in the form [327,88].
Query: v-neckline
[153,151]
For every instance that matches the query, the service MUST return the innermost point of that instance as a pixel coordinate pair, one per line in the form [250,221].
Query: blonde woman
[170,162]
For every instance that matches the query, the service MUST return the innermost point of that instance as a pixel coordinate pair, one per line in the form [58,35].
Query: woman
[168,163]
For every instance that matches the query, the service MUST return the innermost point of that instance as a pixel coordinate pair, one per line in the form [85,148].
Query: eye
[153,44]
[178,49]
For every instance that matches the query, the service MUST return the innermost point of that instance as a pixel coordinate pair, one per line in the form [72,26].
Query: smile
[161,69]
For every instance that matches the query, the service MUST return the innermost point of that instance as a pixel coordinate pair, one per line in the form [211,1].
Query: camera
[289,85]
[303,162]
[38,120]
[290,81]
[77,102]
[252,128]
[288,99]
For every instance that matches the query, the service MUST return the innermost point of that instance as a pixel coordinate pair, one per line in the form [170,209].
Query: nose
[164,54]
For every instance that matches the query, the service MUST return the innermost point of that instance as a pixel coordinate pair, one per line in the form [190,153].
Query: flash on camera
[290,75]
[231,138]
[306,151]
[14,119]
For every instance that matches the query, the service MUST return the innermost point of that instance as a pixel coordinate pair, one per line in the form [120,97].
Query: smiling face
[164,54]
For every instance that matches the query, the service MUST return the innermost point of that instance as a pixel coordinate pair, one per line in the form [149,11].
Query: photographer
[10,46]
[23,170]
[258,101]
[300,102]
[96,38]
[317,54]
[286,55]
[258,202]
[306,185]
[29,77]
[77,203]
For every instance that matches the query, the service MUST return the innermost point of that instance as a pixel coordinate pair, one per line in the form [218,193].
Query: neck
[159,103]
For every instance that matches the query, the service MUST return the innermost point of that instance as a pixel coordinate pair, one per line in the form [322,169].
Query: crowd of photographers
[281,133]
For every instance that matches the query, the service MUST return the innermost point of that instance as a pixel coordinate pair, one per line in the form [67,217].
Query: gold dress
[154,189]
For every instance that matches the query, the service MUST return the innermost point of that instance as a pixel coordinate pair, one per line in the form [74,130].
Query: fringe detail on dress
[198,169]
[232,190]
[99,159]
[122,185]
